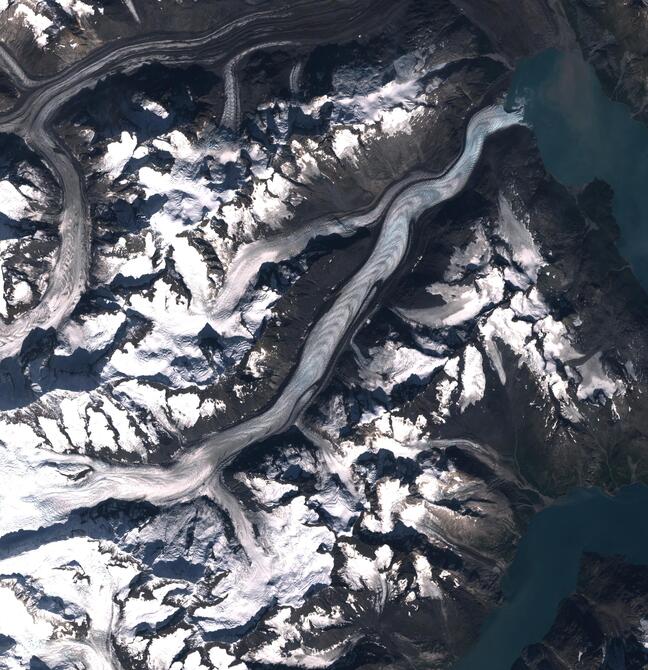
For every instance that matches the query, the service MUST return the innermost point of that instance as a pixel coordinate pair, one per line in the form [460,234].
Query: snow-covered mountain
[297,332]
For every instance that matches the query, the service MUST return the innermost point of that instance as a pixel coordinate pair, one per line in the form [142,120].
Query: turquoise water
[582,134]
[546,565]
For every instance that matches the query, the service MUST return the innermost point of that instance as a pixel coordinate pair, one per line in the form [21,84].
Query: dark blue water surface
[582,135]
[546,566]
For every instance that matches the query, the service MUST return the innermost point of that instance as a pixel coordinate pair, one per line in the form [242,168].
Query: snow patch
[473,380]
[38,23]
[595,380]
[118,153]
[13,204]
